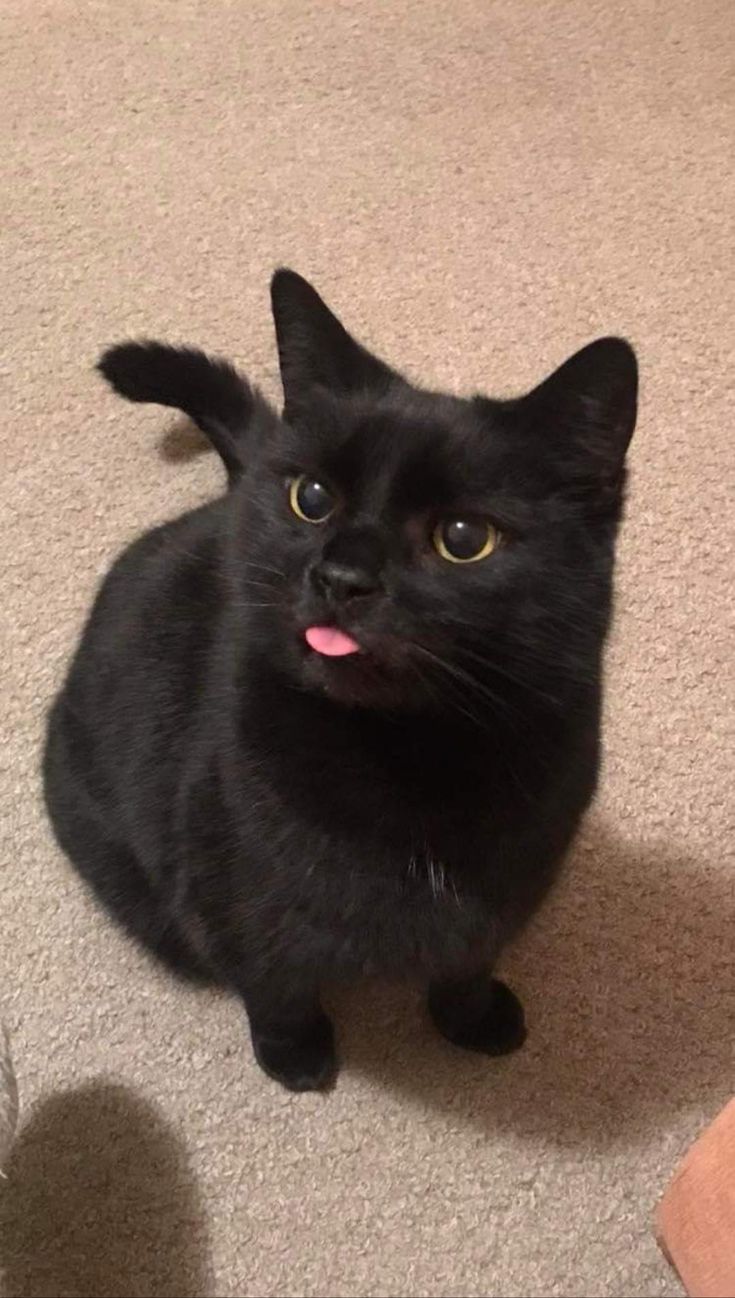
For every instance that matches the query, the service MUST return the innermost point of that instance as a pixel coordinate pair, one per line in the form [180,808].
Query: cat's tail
[209,390]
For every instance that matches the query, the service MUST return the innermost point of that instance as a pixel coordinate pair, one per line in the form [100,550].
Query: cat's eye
[310,500]
[465,540]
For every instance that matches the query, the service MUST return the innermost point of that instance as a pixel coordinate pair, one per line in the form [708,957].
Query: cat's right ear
[315,349]
[585,414]
[210,391]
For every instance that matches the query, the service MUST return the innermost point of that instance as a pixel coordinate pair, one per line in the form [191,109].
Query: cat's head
[404,549]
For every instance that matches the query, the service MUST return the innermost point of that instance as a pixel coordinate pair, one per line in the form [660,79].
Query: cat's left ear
[315,349]
[587,409]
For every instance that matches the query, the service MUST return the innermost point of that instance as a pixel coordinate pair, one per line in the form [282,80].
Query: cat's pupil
[464,538]
[313,500]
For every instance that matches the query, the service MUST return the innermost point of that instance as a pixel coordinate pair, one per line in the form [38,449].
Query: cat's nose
[342,581]
[351,565]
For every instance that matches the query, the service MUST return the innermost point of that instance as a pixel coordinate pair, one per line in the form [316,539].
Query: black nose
[351,565]
[342,581]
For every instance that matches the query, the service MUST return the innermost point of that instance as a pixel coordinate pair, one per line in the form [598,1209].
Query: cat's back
[130,697]
[154,604]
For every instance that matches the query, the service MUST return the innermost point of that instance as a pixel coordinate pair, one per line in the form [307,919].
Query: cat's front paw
[487,1017]
[302,1061]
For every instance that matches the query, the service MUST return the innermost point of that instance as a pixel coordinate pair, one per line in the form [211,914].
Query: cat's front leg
[292,1037]
[478,1012]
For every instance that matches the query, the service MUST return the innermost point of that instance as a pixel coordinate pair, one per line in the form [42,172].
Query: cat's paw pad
[301,1062]
[495,1027]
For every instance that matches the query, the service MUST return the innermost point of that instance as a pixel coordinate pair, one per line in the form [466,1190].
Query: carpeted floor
[479,186]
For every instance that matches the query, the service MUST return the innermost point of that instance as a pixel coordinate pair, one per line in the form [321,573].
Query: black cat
[345,718]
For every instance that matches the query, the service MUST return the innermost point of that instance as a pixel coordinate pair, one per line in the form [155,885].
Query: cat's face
[405,550]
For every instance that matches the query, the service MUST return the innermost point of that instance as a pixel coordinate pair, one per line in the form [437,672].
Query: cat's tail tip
[183,377]
[207,389]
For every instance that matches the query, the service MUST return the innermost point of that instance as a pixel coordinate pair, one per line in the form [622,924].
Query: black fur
[260,815]
[214,396]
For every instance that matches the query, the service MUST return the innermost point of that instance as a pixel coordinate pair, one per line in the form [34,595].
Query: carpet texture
[478,187]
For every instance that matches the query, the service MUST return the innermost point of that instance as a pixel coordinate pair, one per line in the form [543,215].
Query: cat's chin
[362,680]
[356,681]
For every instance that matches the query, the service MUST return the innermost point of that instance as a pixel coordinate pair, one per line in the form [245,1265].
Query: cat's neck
[426,759]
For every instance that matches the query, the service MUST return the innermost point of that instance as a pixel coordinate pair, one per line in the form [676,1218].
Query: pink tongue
[331,642]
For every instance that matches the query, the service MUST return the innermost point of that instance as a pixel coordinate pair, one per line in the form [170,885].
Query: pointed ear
[314,348]
[588,406]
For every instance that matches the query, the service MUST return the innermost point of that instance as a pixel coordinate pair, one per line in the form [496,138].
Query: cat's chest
[369,908]
[420,915]
[376,888]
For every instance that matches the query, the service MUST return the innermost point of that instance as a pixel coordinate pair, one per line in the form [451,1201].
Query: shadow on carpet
[624,975]
[100,1201]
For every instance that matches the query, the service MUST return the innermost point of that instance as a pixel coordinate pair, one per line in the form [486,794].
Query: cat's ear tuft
[314,348]
[588,408]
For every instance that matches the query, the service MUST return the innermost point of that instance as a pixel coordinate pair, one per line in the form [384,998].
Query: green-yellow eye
[310,500]
[465,540]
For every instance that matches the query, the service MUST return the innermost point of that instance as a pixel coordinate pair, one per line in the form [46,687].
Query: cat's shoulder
[188,543]
[166,570]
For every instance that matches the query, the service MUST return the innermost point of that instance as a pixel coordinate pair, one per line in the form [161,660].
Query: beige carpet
[479,186]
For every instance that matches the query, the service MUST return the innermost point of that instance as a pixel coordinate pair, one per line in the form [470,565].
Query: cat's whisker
[457,674]
[495,667]
[440,700]
[264,585]
[265,567]
[249,604]
[466,679]
[188,554]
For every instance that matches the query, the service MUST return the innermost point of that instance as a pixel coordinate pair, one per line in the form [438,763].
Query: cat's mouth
[371,669]
[330,642]
[364,672]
